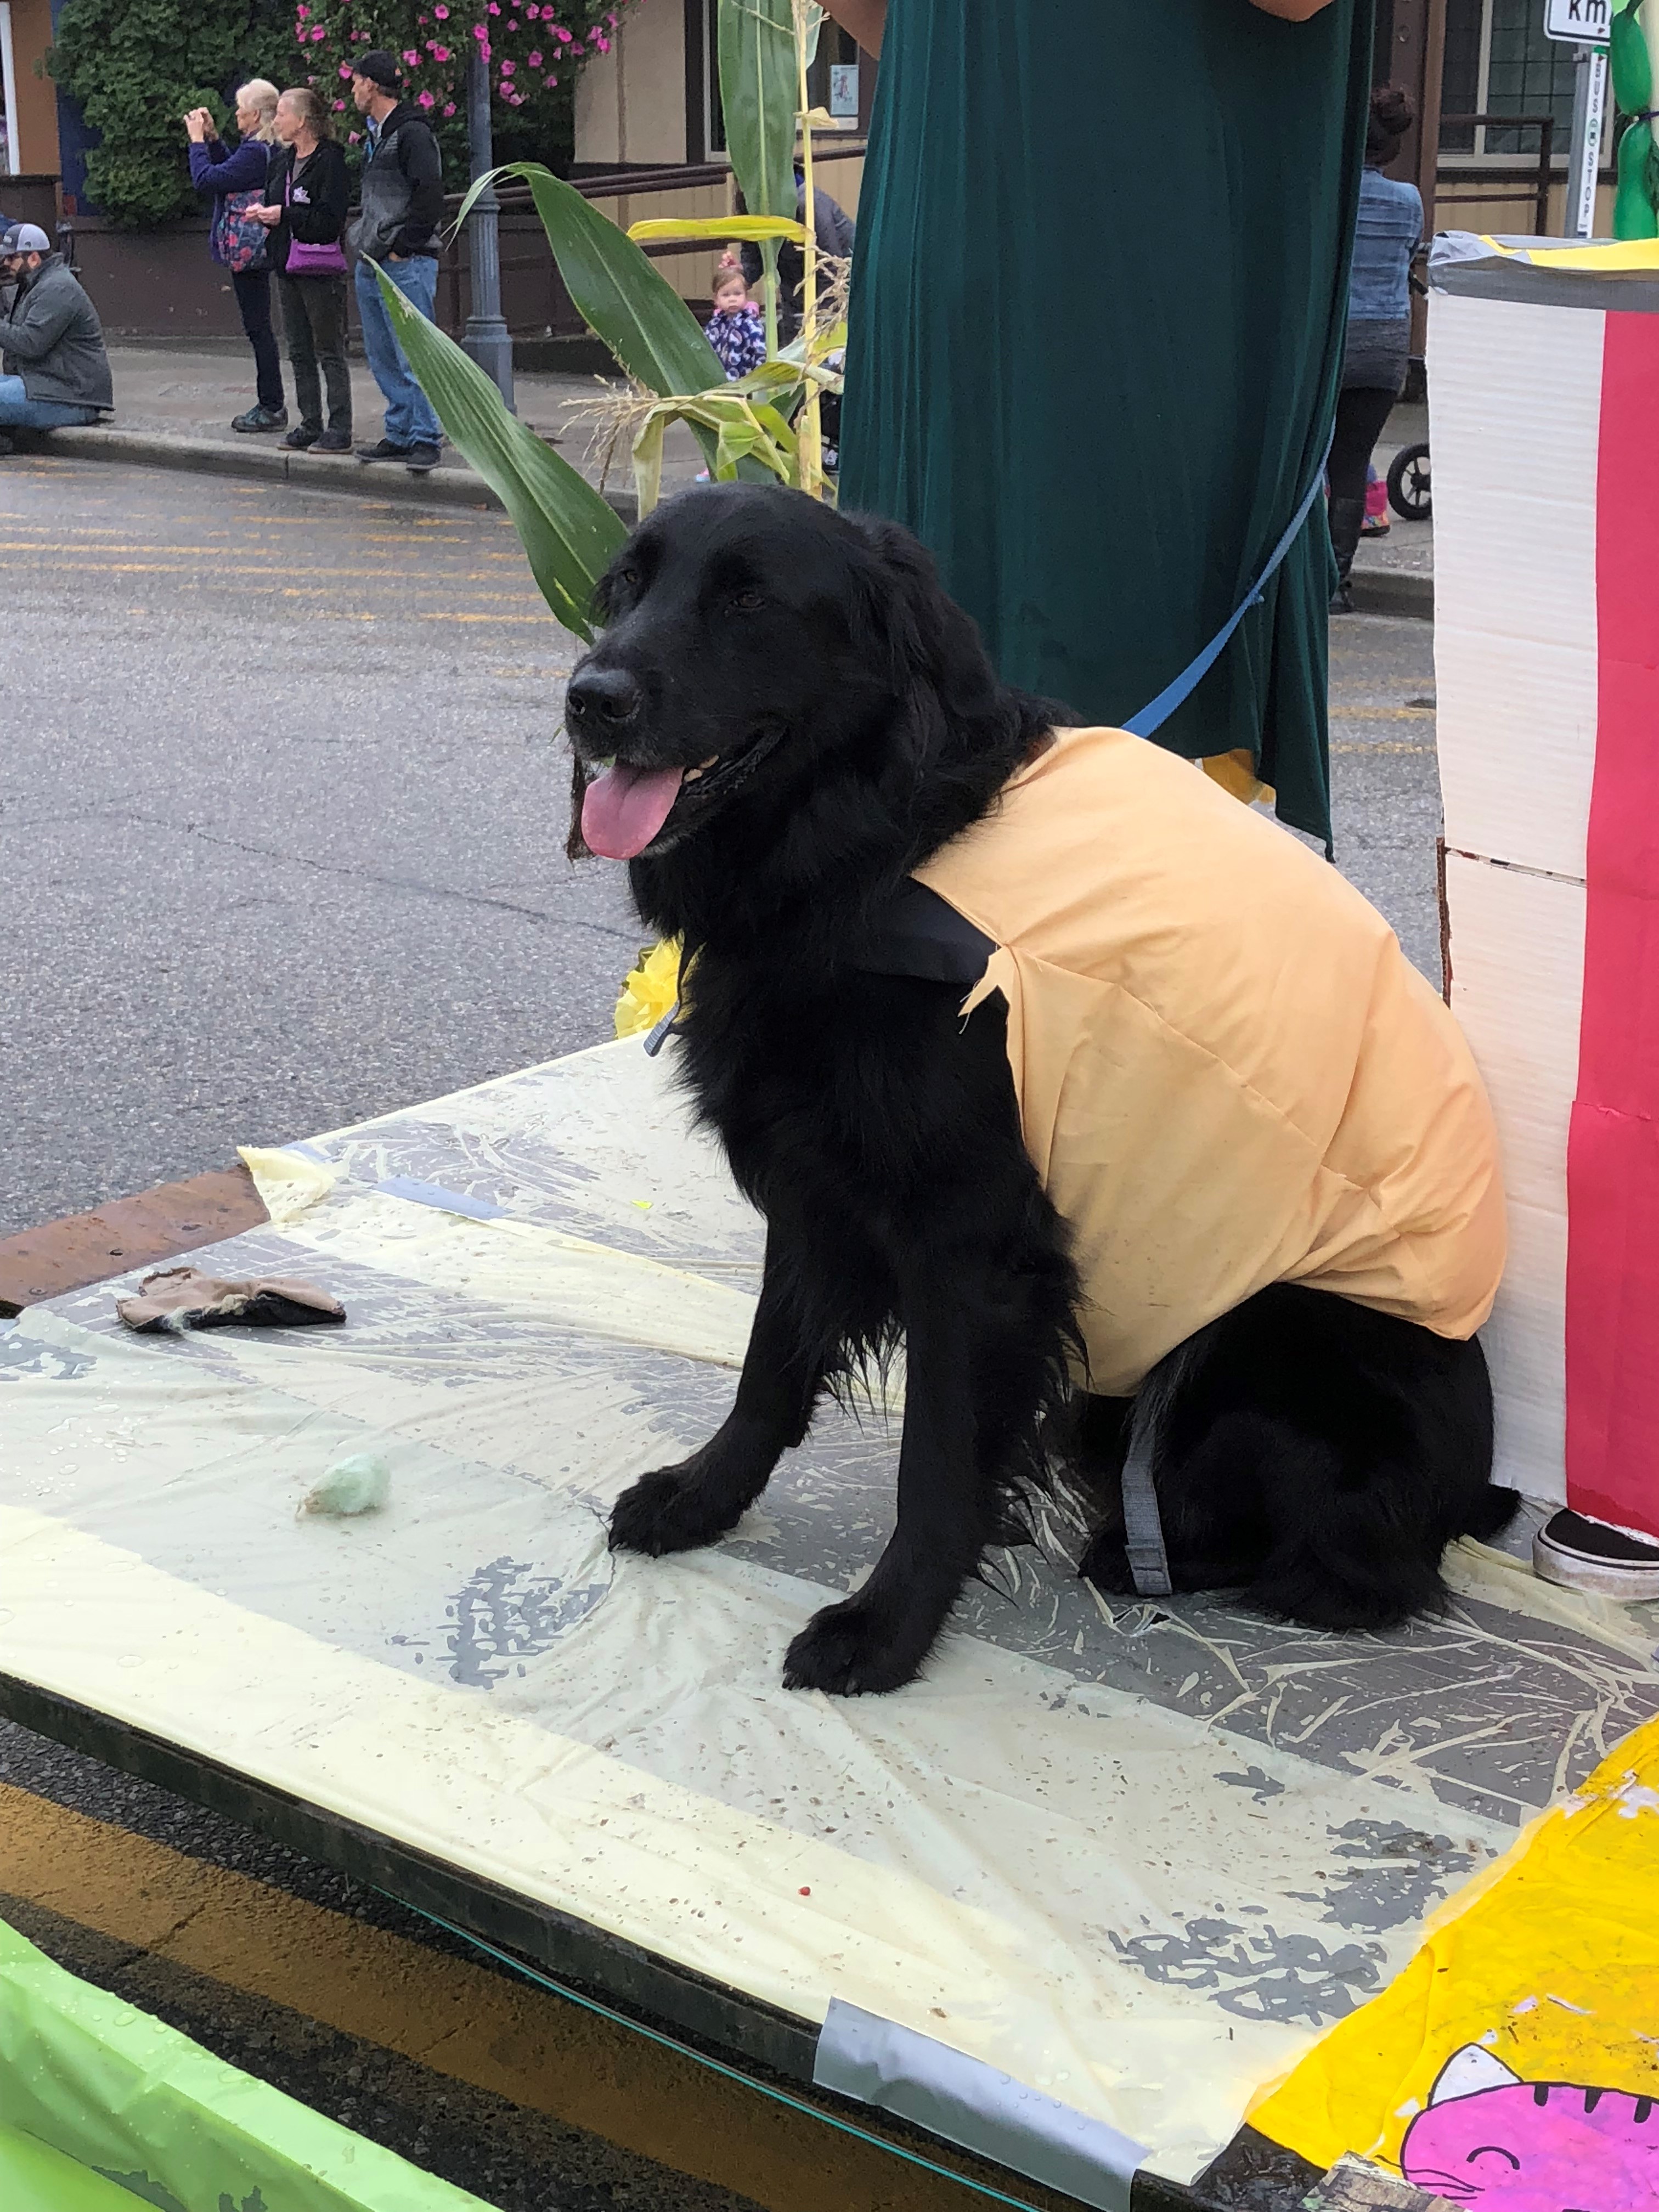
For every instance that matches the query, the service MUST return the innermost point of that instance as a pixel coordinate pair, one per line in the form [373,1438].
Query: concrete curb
[1376,591]
[448,485]
[1392,591]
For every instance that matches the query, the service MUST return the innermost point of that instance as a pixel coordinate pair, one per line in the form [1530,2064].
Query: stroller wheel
[1408,484]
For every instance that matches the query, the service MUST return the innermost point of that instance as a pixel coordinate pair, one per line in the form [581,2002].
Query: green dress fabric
[1097,316]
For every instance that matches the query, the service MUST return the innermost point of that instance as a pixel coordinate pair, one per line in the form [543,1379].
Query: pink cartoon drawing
[1488,2138]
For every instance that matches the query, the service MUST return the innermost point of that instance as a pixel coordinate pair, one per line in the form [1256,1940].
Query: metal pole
[1589,111]
[485,337]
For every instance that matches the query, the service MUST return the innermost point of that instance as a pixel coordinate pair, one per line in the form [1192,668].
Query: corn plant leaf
[770,372]
[568,530]
[736,442]
[753,228]
[775,384]
[781,432]
[826,340]
[647,459]
[758,88]
[619,293]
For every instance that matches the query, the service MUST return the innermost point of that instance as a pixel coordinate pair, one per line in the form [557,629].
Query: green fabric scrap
[103,2108]
[34,2178]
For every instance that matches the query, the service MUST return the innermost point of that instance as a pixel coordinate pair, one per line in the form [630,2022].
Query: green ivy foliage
[136,66]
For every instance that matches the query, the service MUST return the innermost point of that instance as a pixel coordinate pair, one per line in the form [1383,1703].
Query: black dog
[783,717]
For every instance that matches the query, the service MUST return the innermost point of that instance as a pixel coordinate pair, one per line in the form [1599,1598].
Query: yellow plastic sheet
[1622,256]
[1515,2063]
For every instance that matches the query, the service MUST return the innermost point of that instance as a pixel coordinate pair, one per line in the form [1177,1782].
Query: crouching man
[51,344]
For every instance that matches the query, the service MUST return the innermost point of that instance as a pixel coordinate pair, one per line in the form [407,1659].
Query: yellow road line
[458,2019]
[387,575]
[56,533]
[64,541]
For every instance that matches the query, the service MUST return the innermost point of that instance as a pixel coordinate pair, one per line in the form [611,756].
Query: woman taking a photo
[304,211]
[237,182]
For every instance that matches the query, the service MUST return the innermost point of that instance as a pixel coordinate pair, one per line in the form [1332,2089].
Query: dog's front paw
[670,1510]
[850,1649]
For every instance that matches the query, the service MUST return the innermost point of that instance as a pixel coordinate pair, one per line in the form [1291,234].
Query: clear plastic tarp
[1133,1856]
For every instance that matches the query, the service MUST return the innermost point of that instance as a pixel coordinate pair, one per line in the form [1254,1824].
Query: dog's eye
[748,602]
[628,576]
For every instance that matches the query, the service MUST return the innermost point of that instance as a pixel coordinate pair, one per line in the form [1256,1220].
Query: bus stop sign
[1581,22]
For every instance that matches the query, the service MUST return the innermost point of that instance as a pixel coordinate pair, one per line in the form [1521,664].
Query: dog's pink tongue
[624,809]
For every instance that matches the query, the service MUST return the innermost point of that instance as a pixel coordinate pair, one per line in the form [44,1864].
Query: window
[1497,62]
[10,165]
[835,81]
[832,82]
[705,118]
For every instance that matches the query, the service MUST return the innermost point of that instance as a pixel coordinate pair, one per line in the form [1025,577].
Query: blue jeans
[410,420]
[19,412]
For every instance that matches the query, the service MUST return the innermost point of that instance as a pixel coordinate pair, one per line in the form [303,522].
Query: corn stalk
[764,426]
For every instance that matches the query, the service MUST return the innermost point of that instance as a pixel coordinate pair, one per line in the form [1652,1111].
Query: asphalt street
[282,815]
[282,806]
[282,811]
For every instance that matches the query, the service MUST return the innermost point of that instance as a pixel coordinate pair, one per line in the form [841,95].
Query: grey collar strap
[1143,1530]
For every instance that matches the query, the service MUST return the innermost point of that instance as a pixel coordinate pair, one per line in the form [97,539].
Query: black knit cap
[378,66]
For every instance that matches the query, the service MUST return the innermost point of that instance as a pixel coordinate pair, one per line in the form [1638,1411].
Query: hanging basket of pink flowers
[530,48]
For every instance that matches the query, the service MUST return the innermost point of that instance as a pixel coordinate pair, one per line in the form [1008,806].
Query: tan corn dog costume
[1228,1074]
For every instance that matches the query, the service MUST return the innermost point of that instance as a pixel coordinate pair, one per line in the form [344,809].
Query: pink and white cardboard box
[1544,427]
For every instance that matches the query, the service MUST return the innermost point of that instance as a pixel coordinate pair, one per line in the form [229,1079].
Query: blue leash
[1153,717]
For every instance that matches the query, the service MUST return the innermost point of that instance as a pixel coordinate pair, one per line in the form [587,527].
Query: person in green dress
[1097,326]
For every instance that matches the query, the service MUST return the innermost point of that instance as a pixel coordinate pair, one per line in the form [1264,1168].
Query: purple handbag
[307,260]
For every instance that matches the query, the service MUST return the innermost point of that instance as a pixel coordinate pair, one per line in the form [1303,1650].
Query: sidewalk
[1394,576]
[175,404]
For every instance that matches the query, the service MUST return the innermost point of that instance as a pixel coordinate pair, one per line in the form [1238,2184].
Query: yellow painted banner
[1513,2065]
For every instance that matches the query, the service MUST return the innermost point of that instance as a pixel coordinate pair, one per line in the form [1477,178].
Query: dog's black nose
[602,700]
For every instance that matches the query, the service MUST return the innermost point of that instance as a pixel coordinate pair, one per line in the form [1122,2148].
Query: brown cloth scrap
[178,1298]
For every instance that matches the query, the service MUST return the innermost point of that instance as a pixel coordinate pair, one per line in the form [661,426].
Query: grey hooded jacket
[403,191]
[53,340]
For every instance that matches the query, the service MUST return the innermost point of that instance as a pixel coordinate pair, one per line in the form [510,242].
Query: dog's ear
[907,625]
[899,606]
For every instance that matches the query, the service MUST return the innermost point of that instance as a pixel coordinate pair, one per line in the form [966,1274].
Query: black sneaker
[297,441]
[334,441]
[386,450]
[1583,1554]
[261,418]
[420,457]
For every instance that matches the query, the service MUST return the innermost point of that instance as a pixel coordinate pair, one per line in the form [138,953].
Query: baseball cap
[378,66]
[24,238]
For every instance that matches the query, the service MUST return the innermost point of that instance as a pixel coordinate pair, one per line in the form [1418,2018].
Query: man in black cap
[403,205]
[52,344]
